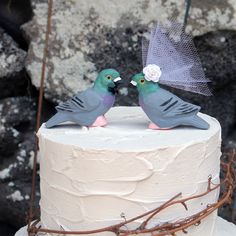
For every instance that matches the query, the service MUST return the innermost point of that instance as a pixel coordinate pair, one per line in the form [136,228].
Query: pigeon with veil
[170,58]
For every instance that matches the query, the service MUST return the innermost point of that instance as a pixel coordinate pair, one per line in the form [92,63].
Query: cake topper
[87,108]
[170,58]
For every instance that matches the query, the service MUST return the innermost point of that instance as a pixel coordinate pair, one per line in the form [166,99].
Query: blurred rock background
[86,37]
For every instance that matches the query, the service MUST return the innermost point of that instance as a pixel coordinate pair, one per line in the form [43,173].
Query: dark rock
[7,229]
[12,57]
[16,157]
[217,51]
[9,139]
[12,15]
[17,118]
[17,112]
[15,85]
[13,78]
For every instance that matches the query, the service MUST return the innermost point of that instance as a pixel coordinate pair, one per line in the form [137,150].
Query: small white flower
[152,72]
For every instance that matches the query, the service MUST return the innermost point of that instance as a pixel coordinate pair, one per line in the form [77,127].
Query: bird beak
[117,82]
[133,83]
[117,79]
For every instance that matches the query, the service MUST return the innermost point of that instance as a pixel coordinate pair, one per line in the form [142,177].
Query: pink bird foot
[99,122]
[155,127]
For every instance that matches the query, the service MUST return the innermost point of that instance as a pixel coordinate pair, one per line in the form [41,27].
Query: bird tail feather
[55,120]
[198,122]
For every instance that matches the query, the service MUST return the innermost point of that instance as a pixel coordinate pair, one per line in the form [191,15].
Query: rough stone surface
[86,38]
[11,57]
[16,155]
[12,73]
[12,15]
[217,51]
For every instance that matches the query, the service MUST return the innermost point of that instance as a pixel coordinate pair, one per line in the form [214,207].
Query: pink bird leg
[99,122]
[155,127]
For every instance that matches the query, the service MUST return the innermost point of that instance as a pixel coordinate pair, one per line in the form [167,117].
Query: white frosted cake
[90,178]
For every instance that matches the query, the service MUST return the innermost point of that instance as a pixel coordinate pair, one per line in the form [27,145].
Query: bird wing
[170,105]
[85,101]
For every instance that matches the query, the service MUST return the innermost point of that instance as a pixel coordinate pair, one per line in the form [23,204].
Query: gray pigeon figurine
[170,58]
[165,109]
[87,108]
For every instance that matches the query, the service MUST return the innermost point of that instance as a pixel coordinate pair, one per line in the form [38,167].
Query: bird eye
[109,77]
[142,81]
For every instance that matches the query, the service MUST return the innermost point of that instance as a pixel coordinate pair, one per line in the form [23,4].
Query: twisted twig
[38,120]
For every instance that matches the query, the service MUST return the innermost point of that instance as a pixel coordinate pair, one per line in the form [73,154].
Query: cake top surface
[127,131]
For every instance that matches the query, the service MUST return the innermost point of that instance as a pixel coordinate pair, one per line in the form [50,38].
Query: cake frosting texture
[90,178]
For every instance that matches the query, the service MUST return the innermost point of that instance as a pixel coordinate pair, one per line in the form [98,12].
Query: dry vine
[228,183]
[39,112]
